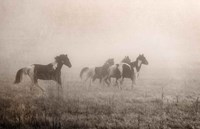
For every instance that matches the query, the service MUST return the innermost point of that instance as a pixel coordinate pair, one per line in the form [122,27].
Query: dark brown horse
[125,70]
[51,71]
[97,72]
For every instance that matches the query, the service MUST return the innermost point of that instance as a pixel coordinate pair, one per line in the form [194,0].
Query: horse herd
[52,71]
[125,69]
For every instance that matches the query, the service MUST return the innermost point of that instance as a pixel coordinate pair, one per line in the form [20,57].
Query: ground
[164,103]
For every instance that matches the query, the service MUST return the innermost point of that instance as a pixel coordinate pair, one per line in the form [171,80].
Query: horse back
[45,68]
[127,71]
[45,72]
[98,71]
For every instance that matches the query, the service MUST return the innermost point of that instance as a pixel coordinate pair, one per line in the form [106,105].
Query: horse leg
[94,78]
[105,81]
[121,80]
[87,78]
[134,79]
[109,80]
[33,79]
[36,84]
[90,82]
[100,80]
[59,83]
[60,90]
[132,83]
[116,82]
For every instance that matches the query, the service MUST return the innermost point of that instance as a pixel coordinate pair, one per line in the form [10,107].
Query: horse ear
[65,54]
[142,54]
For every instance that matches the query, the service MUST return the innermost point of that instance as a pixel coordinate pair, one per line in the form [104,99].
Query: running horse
[113,71]
[96,72]
[127,70]
[51,71]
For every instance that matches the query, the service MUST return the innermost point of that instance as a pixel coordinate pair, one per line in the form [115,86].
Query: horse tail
[18,76]
[83,70]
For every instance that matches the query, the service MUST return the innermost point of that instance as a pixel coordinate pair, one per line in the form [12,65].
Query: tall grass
[97,108]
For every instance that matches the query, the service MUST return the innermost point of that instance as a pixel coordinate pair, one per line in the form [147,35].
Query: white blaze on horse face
[54,65]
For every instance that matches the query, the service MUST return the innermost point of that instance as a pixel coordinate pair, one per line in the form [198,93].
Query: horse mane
[59,58]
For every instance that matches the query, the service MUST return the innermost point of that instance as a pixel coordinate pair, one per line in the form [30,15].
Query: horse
[116,72]
[125,70]
[51,71]
[96,72]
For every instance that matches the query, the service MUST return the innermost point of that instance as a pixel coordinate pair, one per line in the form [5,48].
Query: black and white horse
[96,72]
[115,72]
[51,71]
[126,70]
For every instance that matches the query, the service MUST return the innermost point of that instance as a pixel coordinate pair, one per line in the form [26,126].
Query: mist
[163,93]
[90,32]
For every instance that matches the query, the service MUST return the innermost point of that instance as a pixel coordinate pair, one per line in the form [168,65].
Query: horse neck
[59,67]
[137,64]
[123,61]
[106,66]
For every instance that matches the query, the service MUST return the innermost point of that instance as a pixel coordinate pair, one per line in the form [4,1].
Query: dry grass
[153,104]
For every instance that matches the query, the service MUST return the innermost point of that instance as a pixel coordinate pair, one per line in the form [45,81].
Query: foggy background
[91,31]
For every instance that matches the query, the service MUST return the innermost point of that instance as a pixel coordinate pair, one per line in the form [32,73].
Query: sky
[167,32]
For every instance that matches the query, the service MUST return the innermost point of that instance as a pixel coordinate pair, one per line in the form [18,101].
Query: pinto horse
[115,71]
[96,72]
[127,70]
[51,71]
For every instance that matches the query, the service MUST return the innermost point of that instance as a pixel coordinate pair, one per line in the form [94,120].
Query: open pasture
[155,103]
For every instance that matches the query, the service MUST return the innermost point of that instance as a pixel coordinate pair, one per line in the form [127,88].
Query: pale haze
[91,31]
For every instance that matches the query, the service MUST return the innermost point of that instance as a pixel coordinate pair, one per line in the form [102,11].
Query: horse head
[110,61]
[143,59]
[126,60]
[63,59]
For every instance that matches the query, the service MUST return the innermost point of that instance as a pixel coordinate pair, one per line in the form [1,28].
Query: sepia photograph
[99,64]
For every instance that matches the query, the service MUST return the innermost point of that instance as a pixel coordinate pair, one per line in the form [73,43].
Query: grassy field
[155,103]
